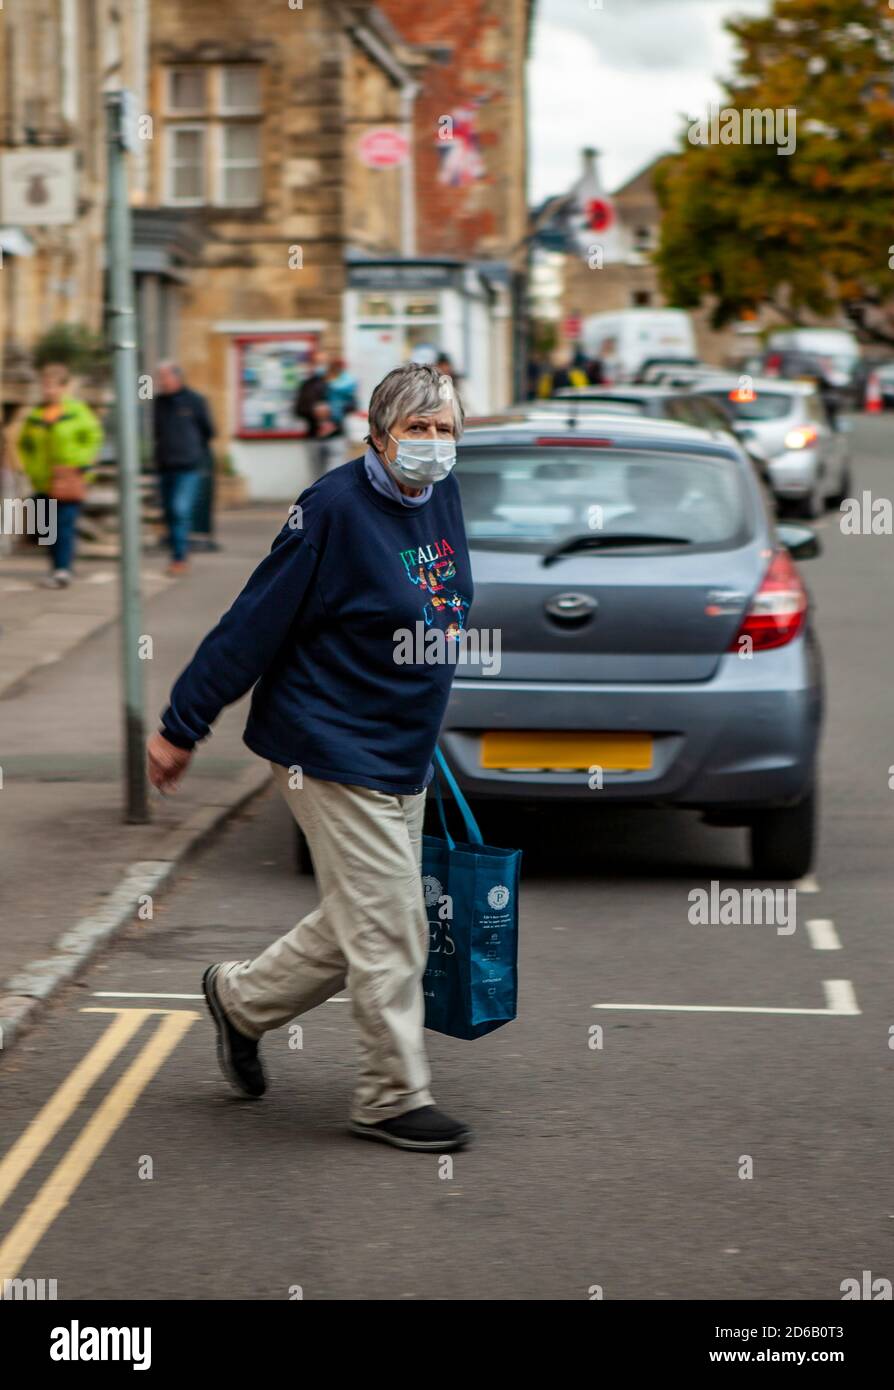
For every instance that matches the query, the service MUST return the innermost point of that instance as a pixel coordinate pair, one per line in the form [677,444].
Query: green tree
[81,350]
[746,225]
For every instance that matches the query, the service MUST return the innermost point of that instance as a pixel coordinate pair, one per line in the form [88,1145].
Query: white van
[835,348]
[627,338]
[825,342]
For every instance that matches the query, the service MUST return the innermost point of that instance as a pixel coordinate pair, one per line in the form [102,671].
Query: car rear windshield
[618,405]
[530,496]
[762,405]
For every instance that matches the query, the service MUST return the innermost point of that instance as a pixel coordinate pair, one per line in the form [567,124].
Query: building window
[416,307]
[186,164]
[377,306]
[212,143]
[240,91]
[186,91]
[240,166]
[642,299]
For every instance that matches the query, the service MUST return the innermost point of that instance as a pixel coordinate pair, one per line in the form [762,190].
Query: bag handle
[469,820]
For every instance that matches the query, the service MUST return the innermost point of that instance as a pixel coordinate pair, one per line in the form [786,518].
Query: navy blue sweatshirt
[318,626]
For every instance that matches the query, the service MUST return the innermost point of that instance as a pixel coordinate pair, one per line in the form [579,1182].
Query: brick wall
[476,51]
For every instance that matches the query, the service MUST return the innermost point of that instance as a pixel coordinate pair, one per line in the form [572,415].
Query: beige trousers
[369,934]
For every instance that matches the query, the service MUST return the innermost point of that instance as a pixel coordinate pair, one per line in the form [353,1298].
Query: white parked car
[808,455]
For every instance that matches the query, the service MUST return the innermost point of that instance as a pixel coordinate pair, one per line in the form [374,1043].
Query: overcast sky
[618,77]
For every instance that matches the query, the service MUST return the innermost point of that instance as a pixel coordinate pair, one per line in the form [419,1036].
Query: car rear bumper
[746,738]
[794,473]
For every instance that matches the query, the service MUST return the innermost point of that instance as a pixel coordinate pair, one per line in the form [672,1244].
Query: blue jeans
[179,491]
[63,549]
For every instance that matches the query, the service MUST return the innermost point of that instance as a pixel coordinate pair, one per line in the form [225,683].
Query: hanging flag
[459,148]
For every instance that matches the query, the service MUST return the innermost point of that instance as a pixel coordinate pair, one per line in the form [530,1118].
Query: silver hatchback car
[654,635]
[808,451]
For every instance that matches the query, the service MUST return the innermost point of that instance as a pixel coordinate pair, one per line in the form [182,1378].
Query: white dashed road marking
[139,994]
[840,1000]
[823,936]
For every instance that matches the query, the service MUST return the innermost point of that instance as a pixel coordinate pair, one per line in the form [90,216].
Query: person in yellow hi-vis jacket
[563,374]
[57,445]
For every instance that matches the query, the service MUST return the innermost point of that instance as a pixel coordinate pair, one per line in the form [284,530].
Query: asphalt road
[616,1166]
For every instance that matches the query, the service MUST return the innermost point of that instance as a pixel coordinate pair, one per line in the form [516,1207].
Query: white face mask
[423,461]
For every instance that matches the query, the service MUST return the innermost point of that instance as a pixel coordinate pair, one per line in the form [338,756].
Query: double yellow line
[69,1172]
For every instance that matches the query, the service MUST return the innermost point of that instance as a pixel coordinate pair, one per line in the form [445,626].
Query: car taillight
[802,436]
[779,609]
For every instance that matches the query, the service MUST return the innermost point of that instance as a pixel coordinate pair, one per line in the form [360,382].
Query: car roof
[626,431]
[758,383]
[638,391]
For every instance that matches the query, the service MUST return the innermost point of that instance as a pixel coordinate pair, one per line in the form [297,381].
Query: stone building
[56,58]
[252,196]
[261,216]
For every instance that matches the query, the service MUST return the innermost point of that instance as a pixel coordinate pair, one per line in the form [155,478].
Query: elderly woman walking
[349,728]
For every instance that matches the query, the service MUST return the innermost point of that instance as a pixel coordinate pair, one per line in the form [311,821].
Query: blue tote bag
[471,897]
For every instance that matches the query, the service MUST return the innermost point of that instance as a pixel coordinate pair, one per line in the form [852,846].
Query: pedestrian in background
[350,733]
[324,398]
[563,374]
[183,432]
[445,367]
[458,380]
[57,445]
[533,375]
[341,398]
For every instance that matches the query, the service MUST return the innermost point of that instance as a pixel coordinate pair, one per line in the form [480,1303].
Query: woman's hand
[167,763]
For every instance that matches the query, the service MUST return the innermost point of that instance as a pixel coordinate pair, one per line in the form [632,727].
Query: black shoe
[426,1129]
[237,1054]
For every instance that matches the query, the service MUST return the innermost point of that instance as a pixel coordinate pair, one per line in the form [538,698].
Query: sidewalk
[67,855]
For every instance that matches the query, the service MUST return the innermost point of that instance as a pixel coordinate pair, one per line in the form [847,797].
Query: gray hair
[412,390]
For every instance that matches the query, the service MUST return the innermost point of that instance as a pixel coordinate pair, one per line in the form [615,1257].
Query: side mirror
[800,542]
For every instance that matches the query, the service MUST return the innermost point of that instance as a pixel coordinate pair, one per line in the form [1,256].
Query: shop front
[402,310]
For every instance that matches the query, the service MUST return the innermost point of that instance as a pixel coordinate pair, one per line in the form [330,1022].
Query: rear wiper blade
[602,541]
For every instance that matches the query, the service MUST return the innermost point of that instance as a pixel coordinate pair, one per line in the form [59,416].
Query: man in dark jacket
[183,430]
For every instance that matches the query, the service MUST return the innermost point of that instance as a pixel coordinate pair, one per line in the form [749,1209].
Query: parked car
[683,375]
[654,366]
[656,636]
[885,374]
[808,451]
[667,403]
[836,348]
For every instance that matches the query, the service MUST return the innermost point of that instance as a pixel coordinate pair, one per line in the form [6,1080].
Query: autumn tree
[746,225]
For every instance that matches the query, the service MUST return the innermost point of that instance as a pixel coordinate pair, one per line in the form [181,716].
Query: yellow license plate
[566,751]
